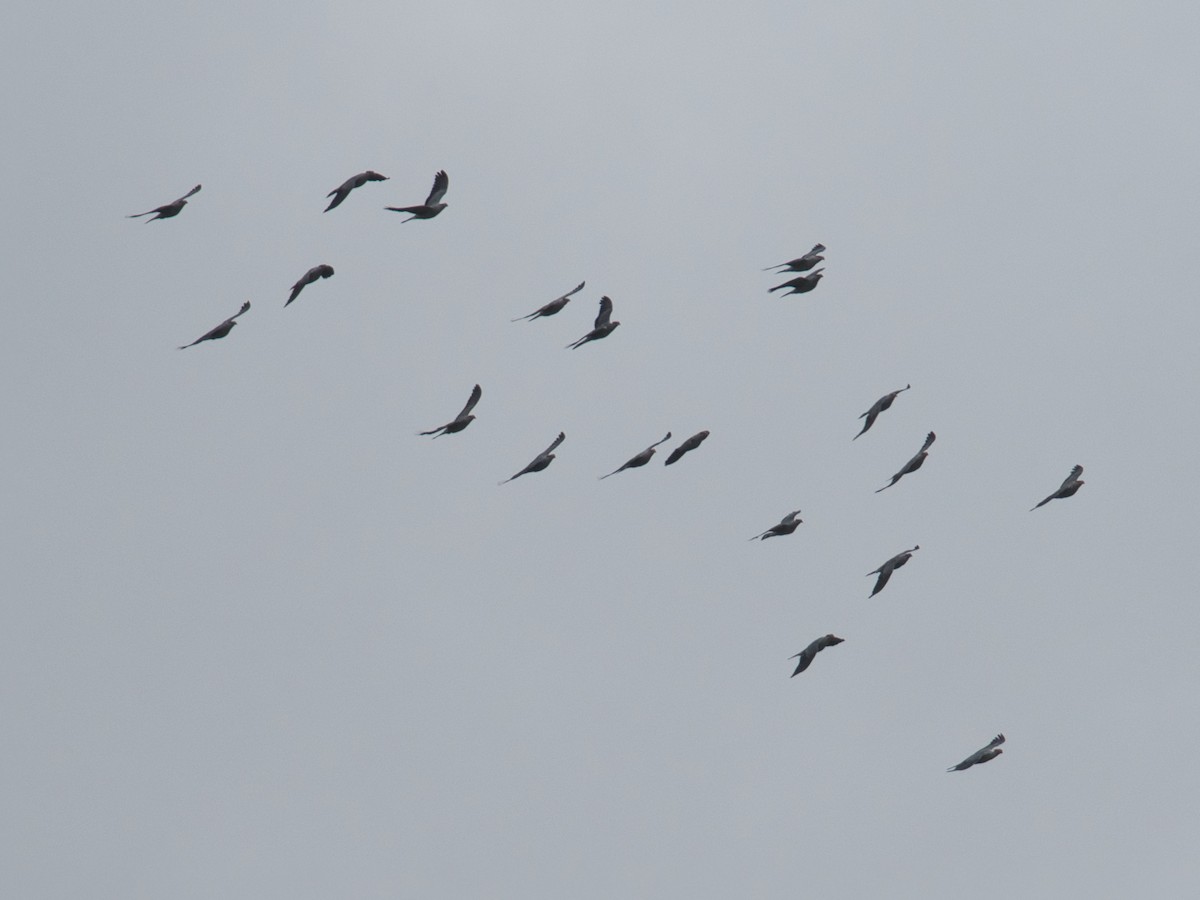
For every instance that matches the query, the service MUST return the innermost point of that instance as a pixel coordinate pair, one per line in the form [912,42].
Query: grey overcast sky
[259,640]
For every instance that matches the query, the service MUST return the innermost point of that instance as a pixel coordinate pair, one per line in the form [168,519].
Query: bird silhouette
[801,285]
[540,461]
[690,444]
[604,327]
[221,330]
[640,460]
[913,464]
[1070,485]
[341,192]
[787,525]
[462,420]
[884,402]
[809,653]
[167,210]
[554,306]
[801,263]
[991,751]
[433,203]
[316,273]
[885,571]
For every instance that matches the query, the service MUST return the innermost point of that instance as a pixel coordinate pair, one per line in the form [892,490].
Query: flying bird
[341,192]
[433,203]
[809,653]
[641,459]
[884,402]
[554,306]
[913,464]
[540,461]
[991,751]
[690,444]
[885,571]
[316,273]
[801,285]
[801,263]
[1068,487]
[167,210]
[787,525]
[462,420]
[221,330]
[604,327]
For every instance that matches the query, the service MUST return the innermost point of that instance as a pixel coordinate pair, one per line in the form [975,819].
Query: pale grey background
[260,640]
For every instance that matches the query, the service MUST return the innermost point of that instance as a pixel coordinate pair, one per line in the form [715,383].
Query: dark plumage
[809,653]
[801,263]
[641,459]
[540,461]
[316,273]
[991,751]
[1070,485]
[690,444]
[462,420]
[787,525]
[801,285]
[221,330]
[341,192]
[604,327]
[885,571]
[433,203]
[167,210]
[554,306]
[913,464]
[884,402]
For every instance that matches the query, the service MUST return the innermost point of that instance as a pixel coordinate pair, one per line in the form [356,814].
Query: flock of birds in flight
[603,326]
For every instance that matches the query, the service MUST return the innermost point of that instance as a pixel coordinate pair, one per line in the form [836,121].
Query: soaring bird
[1068,487]
[167,210]
[800,285]
[343,191]
[641,459]
[884,402]
[690,444]
[604,327]
[913,464]
[221,330]
[462,420]
[554,306]
[991,751]
[316,273]
[433,203]
[809,653]
[885,571]
[540,461]
[801,263]
[787,525]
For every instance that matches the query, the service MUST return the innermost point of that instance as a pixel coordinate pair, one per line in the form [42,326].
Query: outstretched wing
[189,193]
[884,574]
[1073,477]
[476,393]
[605,312]
[562,436]
[929,439]
[441,182]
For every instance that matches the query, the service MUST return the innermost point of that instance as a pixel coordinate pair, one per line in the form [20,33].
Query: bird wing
[245,307]
[476,393]
[806,657]
[929,439]
[790,518]
[441,182]
[323,271]
[189,193]
[1072,478]
[885,572]
[574,290]
[817,248]
[995,742]
[606,306]
[562,436]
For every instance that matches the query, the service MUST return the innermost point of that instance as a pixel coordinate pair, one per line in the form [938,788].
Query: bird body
[883,403]
[433,203]
[462,420]
[540,461]
[991,751]
[913,464]
[554,306]
[221,330]
[316,273]
[885,571]
[167,210]
[341,192]
[787,525]
[690,444]
[604,325]
[809,653]
[1070,485]
[801,285]
[640,460]
[801,263]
